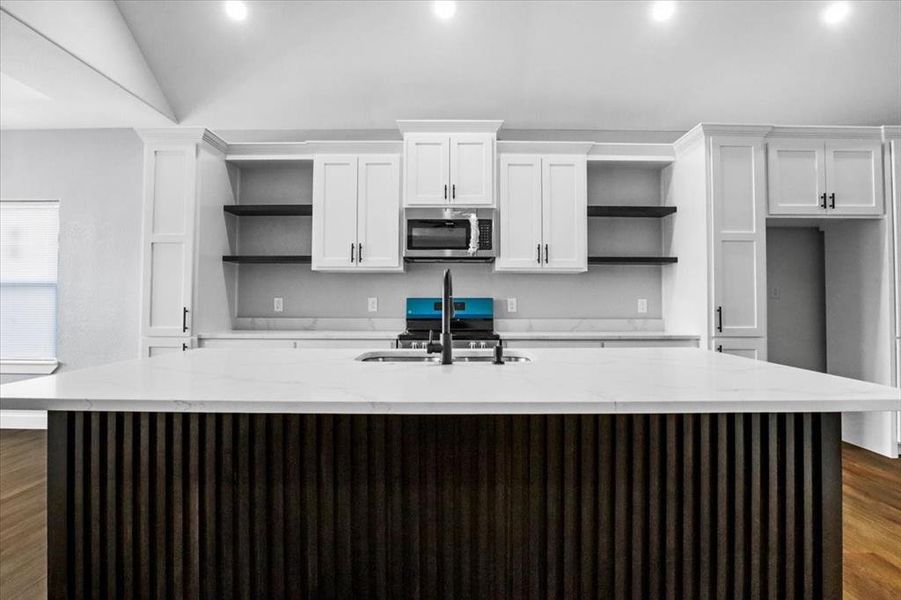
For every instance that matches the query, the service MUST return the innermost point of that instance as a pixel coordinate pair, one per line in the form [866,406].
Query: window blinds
[29,250]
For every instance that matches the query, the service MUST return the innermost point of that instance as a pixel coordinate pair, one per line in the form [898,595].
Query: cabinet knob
[445,191]
[538,249]
[184,319]
[831,200]
[359,253]
[719,319]
[545,254]
[823,200]
[454,191]
[351,252]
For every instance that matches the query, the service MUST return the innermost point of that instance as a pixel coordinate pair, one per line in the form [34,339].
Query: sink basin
[419,356]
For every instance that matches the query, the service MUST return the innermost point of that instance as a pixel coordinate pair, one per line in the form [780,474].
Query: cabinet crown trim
[184,135]
[891,132]
[449,126]
[855,133]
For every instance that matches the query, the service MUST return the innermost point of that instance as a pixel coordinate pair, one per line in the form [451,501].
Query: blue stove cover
[464,308]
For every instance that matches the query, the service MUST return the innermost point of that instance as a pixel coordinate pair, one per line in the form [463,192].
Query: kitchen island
[670,473]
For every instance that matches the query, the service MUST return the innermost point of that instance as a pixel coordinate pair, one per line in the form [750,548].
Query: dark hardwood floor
[872,520]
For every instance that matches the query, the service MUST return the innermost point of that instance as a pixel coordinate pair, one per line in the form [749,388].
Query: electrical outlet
[642,305]
[278,304]
[511,305]
[373,305]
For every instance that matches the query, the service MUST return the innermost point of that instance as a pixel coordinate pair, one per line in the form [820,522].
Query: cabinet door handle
[823,200]
[719,319]
[719,348]
[351,252]
[359,253]
[545,254]
[184,347]
[832,200]
[454,191]
[538,249]
[445,191]
[184,319]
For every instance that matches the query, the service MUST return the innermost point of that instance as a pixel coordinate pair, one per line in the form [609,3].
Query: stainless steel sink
[419,356]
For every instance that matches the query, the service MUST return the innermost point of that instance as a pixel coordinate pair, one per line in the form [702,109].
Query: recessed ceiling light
[236,10]
[663,10]
[445,9]
[836,13]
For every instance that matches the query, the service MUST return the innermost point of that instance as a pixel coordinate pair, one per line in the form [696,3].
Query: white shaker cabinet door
[170,174]
[564,213]
[739,238]
[471,169]
[797,177]
[334,212]
[520,213]
[378,212]
[426,170]
[854,178]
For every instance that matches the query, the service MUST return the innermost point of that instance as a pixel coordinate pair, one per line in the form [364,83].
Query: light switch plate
[373,305]
[278,304]
[642,305]
[511,305]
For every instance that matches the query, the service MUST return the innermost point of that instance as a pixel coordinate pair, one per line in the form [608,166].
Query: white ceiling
[542,65]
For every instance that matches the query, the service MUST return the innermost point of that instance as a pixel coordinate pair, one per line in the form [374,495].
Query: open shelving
[269,210]
[631,260]
[630,211]
[263,259]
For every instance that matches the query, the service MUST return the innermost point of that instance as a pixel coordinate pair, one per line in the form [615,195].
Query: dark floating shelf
[631,260]
[269,210]
[284,259]
[631,211]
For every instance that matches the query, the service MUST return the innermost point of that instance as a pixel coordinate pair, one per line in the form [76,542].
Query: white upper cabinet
[544,214]
[334,212]
[443,169]
[854,177]
[356,213]
[520,213]
[564,190]
[427,161]
[811,177]
[378,212]
[739,237]
[471,168]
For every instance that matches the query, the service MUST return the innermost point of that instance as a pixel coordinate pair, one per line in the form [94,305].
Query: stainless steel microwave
[450,235]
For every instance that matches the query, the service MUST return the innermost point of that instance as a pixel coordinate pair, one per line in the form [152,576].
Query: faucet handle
[499,354]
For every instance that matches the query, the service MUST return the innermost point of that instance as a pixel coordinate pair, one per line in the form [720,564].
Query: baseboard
[23,419]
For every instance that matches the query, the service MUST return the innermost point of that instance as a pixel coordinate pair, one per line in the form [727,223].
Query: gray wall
[796,298]
[96,176]
[603,292]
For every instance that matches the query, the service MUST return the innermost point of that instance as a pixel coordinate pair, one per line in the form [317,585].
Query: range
[472,323]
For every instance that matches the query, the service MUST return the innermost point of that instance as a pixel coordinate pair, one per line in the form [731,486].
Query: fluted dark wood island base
[458,506]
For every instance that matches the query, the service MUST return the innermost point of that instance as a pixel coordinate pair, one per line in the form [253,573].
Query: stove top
[473,320]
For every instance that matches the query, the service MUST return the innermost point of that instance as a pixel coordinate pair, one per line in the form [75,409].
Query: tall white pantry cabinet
[186,182]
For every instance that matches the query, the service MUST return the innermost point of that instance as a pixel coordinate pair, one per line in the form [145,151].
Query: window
[29,249]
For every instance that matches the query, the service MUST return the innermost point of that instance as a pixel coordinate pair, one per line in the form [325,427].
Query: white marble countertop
[328,334]
[601,380]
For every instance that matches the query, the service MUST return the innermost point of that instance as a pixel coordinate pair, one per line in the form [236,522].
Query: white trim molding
[23,419]
[28,367]
[448,126]
[186,135]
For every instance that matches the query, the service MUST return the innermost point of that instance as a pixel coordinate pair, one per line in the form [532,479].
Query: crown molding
[448,126]
[183,135]
[246,154]
[836,132]
[548,147]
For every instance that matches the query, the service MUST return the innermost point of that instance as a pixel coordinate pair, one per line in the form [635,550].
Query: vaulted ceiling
[546,65]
